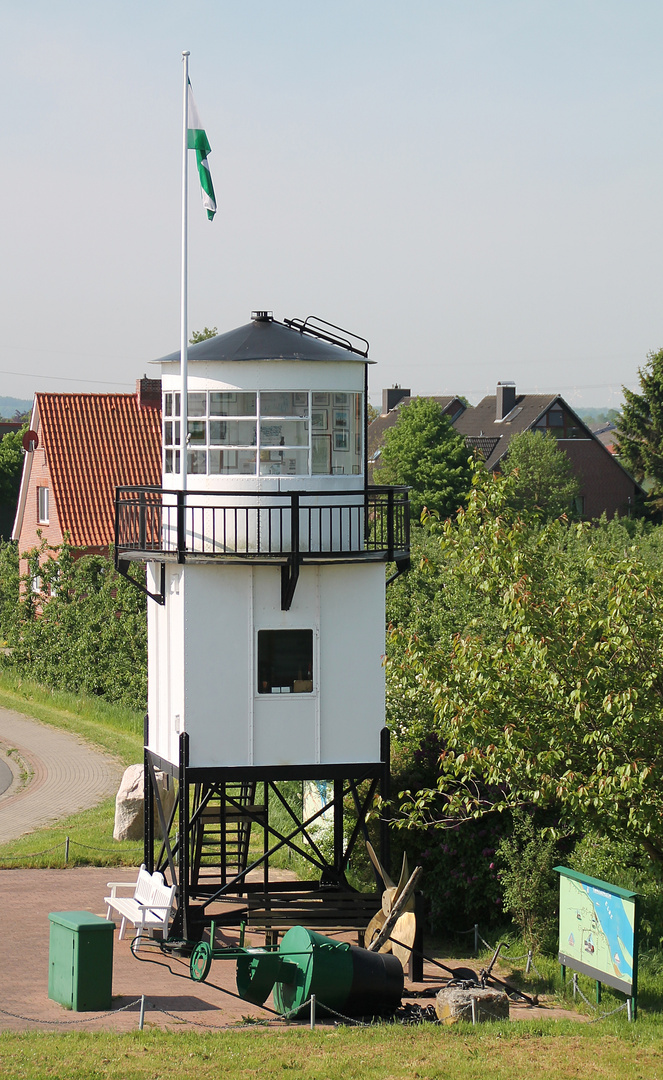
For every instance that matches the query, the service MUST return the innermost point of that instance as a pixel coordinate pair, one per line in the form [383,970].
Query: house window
[42,505]
[270,433]
[559,423]
[285,661]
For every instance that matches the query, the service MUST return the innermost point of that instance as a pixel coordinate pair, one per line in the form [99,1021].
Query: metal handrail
[298,524]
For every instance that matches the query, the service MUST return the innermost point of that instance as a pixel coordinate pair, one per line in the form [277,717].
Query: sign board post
[598,932]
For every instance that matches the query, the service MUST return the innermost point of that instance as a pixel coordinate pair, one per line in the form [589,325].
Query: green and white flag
[197,140]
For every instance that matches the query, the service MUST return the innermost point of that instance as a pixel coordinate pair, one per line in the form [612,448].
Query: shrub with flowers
[460,880]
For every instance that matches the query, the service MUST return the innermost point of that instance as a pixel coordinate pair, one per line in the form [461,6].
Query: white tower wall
[204,643]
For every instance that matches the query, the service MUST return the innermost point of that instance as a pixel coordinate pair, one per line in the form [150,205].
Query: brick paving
[27,897]
[67,775]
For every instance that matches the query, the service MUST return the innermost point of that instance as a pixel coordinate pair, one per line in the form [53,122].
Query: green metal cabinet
[80,960]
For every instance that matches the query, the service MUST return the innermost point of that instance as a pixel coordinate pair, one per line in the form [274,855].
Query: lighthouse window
[232,403]
[284,403]
[285,433]
[197,403]
[232,462]
[270,433]
[197,432]
[171,405]
[232,433]
[282,462]
[196,461]
[285,661]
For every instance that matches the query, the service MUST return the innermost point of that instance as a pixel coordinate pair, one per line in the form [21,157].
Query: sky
[475,186]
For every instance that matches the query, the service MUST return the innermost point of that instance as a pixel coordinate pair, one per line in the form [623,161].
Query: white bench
[149,908]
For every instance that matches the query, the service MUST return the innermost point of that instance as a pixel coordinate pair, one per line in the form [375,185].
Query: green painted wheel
[201,961]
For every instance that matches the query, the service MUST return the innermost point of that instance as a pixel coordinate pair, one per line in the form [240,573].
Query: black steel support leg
[148,804]
[416,972]
[385,792]
[339,853]
[184,838]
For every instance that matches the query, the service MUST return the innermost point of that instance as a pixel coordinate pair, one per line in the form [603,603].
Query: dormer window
[560,424]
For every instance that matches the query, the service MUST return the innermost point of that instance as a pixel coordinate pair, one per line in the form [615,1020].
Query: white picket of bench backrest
[144,886]
[162,894]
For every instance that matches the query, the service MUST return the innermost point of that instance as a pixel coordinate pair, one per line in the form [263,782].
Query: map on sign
[597,932]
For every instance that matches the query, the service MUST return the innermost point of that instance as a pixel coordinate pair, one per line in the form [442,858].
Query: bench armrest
[115,885]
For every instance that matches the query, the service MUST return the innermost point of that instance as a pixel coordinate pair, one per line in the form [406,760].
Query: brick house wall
[606,487]
[30,538]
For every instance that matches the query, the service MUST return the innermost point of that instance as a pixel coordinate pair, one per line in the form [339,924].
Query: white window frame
[43,507]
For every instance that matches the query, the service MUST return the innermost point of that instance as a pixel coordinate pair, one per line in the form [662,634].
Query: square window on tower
[285,661]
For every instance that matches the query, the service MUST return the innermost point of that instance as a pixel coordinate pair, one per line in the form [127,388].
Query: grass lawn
[501,1052]
[112,728]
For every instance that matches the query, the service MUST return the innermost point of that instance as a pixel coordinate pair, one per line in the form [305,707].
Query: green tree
[11,466]
[202,335]
[543,477]
[86,629]
[424,451]
[639,433]
[563,707]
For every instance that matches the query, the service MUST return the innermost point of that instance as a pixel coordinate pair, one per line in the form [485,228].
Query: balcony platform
[269,528]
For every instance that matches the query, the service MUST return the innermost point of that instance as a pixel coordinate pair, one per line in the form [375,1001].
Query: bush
[531,888]
[85,631]
[460,882]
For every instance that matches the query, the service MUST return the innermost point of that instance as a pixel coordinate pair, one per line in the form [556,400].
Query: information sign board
[598,930]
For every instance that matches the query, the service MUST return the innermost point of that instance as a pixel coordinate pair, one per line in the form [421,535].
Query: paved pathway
[66,775]
[6,776]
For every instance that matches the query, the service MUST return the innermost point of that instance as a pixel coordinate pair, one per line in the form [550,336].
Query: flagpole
[184,281]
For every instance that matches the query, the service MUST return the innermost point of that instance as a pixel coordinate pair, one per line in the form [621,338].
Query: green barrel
[258,971]
[80,960]
[350,980]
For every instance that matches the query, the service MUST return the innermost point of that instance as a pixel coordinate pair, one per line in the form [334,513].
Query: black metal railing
[374,523]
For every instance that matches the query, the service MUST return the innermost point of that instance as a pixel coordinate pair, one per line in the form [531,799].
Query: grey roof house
[605,486]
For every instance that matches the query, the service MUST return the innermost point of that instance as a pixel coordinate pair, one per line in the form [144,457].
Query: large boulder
[454,1003]
[130,803]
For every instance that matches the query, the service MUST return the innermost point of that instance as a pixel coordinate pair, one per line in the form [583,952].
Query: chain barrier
[535,969]
[67,842]
[602,1016]
[348,1019]
[30,855]
[80,1020]
[89,847]
[289,1014]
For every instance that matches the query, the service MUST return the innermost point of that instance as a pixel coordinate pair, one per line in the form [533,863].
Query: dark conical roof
[264,339]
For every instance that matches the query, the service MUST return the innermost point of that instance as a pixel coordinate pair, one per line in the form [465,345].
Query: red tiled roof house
[87,445]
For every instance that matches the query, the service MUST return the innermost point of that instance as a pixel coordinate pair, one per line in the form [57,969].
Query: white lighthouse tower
[266,639]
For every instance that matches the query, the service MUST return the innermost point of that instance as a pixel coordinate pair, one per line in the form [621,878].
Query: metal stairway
[221,833]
